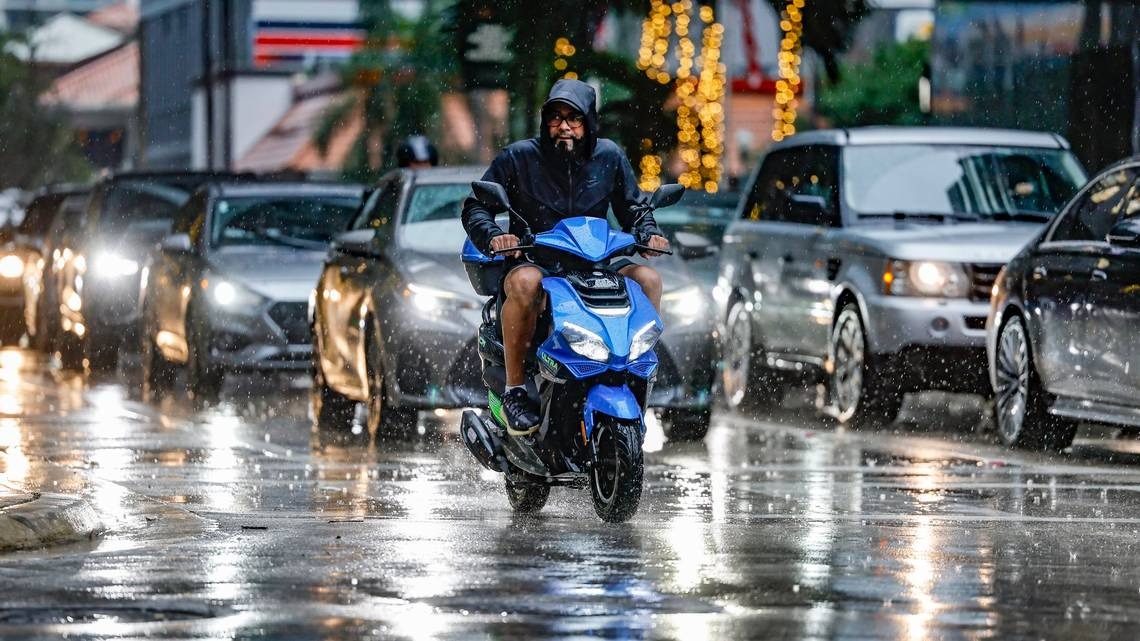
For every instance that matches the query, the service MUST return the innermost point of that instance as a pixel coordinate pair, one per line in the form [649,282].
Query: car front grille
[293,319]
[982,279]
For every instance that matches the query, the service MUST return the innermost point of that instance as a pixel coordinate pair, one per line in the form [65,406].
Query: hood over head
[580,96]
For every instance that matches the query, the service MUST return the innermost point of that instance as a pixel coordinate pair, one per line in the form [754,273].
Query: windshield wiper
[275,236]
[929,215]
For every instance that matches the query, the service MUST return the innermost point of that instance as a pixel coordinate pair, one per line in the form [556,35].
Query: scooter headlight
[644,340]
[585,343]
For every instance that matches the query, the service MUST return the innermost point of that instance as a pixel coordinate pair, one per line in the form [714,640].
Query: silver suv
[866,257]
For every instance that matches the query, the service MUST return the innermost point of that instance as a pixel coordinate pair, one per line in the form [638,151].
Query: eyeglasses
[574,120]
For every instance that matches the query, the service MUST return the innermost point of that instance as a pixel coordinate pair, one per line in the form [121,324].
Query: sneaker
[521,414]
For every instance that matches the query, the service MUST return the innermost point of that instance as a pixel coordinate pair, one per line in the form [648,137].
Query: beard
[567,145]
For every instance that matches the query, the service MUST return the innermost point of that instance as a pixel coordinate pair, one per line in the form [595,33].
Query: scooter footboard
[618,402]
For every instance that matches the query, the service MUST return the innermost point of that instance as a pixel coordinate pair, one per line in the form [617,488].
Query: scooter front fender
[618,402]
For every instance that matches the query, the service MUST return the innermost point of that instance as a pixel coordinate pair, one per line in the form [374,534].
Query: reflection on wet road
[239,520]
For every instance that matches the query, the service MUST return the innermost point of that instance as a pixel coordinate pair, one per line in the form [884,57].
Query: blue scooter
[591,373]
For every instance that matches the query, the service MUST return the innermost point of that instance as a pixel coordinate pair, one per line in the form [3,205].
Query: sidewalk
[31,520]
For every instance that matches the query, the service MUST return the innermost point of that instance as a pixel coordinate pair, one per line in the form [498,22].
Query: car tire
[1021,404]
[157,372]
[11,327]
[330,408]
[857,388]
[204,379]
[746,383]
[687,425]
[382,419]
[70,348]
[102,353]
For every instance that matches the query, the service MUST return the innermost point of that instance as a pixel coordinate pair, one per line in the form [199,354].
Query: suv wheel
[330,408]
[157,372]
[745,381]
[1021,409]
[858,392]
[383,419]
[70,351]
[687,425]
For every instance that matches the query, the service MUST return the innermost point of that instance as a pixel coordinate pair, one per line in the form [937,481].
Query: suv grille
[293,319]
[982,279]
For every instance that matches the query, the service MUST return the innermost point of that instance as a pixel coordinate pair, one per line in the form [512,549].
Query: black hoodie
[546,185]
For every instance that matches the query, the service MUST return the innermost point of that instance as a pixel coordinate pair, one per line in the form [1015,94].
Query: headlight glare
[644,340]
[926,278]
[231,295]
[585,343]
[433,302]
[11,266]
[111,264]
[685,304]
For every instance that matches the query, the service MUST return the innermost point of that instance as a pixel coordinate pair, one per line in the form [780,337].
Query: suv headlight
[684,304]
[926,278]
[585,343]
[644,340]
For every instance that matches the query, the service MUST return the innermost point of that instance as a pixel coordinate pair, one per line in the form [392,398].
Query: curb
[35,520]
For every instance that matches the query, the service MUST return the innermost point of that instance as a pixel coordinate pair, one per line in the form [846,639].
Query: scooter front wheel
[527,497]
[616,476]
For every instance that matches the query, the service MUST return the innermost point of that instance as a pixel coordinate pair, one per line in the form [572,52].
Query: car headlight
[926,278]
[11,266]
[685,304]
[585,343]
[433,302]
[644,340]
[225,293]
[110,264]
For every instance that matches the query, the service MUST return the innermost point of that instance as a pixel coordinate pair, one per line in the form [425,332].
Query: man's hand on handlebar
[505,241]
[655,242]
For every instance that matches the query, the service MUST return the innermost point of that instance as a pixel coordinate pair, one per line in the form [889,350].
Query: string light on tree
[789,84]
[564,51]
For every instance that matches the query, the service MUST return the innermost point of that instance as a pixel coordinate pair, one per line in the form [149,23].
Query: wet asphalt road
[240,521]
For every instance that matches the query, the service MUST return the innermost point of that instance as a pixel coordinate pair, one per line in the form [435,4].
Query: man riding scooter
[566,171]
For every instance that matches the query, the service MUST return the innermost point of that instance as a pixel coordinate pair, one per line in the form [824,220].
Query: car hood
[962,243]
[438,271]
[277,273]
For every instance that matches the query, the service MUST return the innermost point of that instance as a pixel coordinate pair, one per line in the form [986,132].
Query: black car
[1062,342]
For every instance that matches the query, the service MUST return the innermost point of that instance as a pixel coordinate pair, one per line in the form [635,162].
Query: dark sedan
[1061,334]
[395,317]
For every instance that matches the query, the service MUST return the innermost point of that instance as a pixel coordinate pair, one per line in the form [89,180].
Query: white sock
[511,387]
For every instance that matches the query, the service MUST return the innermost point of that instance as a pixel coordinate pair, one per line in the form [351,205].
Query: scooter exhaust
[482,441]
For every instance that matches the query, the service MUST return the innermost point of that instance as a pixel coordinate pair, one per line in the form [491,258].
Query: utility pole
[227,83]
[208,82]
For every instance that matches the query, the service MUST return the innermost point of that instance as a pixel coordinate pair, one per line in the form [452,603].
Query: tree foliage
[828,26]
[881,92]
[37,146]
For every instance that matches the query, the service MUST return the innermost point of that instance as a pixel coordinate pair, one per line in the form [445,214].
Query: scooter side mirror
[666,195]
[491,195]
[693,246]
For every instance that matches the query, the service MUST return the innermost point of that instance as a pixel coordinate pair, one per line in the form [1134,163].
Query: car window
[958,179]
[809,171]
[1092,216]
[302,222]
[433,221]
[39,214]
[126,203]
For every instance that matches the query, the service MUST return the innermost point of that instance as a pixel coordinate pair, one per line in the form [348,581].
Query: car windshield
[304,222]
[129,203]
[432,223]
[959,181]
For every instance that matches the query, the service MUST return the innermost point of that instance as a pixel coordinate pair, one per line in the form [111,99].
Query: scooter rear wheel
[615,481]
[527,497]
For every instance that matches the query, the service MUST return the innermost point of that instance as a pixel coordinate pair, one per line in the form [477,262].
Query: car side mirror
[693,246]
[491,195]
[177,244]
[1125,233]
[358,242]
[666,195]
